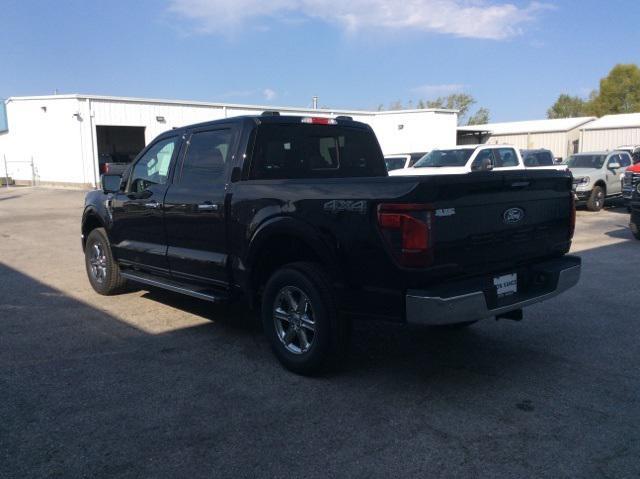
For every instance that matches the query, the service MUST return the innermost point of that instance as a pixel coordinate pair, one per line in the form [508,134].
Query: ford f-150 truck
[298,218]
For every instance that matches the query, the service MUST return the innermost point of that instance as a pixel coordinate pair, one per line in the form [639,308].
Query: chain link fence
[22,172]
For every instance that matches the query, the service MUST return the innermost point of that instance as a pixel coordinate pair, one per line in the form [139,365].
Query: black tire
[597,198]
[326,335]
[102,270]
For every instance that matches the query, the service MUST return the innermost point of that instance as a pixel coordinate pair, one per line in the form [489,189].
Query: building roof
[626,120]
[534,126]
[223,105]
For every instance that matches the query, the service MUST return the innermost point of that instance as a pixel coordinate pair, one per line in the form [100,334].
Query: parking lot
[157,385]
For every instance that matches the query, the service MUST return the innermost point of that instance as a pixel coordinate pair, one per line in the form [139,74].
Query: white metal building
[59,140]
[561,136]
[610,132]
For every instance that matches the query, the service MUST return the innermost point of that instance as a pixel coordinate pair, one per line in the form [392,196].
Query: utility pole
[315,102]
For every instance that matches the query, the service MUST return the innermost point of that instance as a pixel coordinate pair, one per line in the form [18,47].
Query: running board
[175,286]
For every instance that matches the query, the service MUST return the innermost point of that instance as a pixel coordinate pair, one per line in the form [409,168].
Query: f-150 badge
[335,206]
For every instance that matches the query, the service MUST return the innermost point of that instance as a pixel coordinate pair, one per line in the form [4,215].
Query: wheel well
[602,185]
[90,223]
[274,254]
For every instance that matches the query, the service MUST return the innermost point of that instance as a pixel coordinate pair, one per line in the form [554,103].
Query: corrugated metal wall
[609,139]
[560,143]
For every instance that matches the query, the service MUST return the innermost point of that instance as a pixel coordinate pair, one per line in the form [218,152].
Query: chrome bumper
[427,308]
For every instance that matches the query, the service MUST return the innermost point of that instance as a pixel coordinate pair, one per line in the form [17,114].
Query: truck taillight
[319,121]
[406,229]
[572,216]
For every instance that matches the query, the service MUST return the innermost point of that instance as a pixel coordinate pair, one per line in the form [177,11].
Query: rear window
[315,151]
[533,159]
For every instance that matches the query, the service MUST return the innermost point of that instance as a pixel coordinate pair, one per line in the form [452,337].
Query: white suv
[465,159]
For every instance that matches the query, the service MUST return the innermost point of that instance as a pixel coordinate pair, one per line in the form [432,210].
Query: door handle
[207,206]
[152,204]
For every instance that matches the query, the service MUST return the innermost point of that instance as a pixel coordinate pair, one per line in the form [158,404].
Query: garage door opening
[118,146]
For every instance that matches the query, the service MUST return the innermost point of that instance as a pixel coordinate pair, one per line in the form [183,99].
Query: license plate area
[506,285]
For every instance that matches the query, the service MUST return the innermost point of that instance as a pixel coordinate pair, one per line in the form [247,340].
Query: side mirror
[111,183]
[614,165]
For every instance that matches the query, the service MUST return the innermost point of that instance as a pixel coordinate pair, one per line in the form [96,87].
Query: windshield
[395,162]
[586,161]
[442,158]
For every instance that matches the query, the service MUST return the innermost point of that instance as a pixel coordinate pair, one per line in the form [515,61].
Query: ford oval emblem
[513,216]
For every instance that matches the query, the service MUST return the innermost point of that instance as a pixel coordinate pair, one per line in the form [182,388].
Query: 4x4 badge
[513,216]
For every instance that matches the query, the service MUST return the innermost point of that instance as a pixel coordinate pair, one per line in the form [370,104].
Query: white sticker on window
[287,146]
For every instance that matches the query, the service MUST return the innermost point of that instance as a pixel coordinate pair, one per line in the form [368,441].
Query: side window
[505,157]
[483,155]
[625,160]
[206,157]
[153,167]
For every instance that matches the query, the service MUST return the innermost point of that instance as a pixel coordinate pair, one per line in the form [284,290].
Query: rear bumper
[474,300]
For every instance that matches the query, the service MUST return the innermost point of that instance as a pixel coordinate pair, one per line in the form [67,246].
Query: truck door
[614,181]
[137,233]
[195,207]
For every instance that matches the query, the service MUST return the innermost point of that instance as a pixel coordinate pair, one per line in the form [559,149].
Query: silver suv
[598,176]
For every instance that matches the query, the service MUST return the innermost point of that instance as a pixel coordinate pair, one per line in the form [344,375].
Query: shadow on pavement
[85,394]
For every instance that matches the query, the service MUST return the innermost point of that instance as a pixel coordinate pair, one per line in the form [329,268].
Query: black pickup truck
[298,218]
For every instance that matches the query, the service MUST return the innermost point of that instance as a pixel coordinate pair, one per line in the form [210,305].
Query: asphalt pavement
[152,384]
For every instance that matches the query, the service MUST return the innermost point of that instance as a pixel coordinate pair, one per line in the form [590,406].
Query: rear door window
[315,151]
[482,156]
[206,157]
[505,157]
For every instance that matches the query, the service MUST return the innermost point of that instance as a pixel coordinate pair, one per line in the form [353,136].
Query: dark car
[537,158]
[298,218]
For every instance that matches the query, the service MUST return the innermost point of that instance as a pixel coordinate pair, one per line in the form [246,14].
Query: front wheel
[103,271]
[301,320]
[596,200]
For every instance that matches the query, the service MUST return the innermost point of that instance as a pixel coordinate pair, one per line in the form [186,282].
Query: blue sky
[514,57]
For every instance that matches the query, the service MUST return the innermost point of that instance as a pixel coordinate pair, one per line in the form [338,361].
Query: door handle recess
[152,204]
[208,207]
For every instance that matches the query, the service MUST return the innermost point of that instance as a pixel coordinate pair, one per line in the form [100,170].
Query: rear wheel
[103,271]
[301,321]
[596,200]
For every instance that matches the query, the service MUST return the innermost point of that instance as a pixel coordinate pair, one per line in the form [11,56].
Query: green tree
[619,92]
[456,101]
[567,106]
[481,117]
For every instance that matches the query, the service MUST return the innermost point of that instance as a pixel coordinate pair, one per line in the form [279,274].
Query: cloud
[269,94]
[431,91]
[485,19]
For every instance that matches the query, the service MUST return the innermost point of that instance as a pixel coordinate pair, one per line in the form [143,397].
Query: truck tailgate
[486,221]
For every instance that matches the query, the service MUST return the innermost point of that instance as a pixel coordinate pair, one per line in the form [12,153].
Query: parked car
[465,159]
[630,184]
[540,158]
[598,176]
[297,218]
[403,160]
[113,164]
[634,202]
